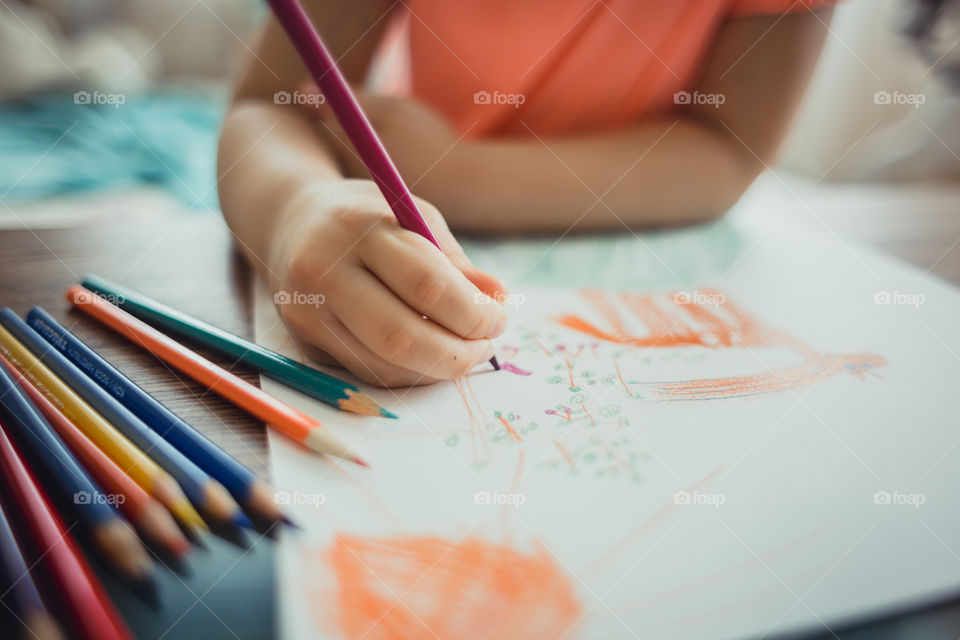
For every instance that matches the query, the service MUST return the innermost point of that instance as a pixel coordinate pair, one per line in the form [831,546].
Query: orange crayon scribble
[718,329]
[659,320]
[570,372]
[587,412]
[476,402]
[602,304]
[603,560]
[623,383]
[428,587]
[510,429]
[802,375]
[474,428]
[723,327]
[517,476]
[666,340]
[537,341]
[565,453]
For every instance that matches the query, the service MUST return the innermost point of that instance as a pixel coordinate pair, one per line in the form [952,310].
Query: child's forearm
[269,155]
[662,172]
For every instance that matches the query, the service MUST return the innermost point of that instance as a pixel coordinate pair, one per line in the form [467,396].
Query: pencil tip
[493,361]
[360,461]
[146,587]
[290,523]
[385,413]
[241,521]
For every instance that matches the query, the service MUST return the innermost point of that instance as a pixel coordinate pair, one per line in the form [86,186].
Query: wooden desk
[188,262]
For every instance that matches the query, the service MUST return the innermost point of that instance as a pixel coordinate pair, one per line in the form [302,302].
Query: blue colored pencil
[204,492]
[19,590]
[242,483]
[69,482]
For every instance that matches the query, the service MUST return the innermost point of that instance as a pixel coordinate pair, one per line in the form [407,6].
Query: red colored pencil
[289,421]
[145,513]
[94,616]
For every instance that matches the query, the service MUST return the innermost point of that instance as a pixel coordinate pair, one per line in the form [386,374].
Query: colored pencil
[128,457]
[313,382]
[321,65]
[90,609]
[142,510]
[204,492]
[236,478]
[113,537]
[289,421]
[19,592]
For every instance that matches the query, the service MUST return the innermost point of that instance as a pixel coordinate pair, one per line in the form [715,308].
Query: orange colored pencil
[289,421]
[139,507]
[89,606]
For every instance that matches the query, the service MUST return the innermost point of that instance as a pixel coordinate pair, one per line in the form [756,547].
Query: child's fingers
[417,273]
[397,333]
[326,338]
[322,337]
[489,284]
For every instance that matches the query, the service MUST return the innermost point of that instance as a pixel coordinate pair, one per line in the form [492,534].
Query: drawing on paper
[413,587]
[628,340]
[707,319]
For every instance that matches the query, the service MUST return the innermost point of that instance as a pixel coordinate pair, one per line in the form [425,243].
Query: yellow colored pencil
[144,471]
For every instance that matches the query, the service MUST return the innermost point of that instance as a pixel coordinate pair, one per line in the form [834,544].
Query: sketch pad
[767,446]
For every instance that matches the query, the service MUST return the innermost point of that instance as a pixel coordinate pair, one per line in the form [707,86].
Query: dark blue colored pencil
[242,483]
[204,492]
[68,480]
[19,591]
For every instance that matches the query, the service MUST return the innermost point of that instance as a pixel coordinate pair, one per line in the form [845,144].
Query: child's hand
[353,286]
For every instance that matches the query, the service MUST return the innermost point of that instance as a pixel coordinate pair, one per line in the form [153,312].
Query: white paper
[793,467]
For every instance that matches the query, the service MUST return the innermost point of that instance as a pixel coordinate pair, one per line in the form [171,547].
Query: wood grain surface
[187,261]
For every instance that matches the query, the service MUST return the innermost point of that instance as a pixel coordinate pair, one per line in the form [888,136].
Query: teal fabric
[51,145]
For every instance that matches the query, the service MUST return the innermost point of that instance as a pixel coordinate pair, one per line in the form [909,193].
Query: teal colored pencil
[326,388]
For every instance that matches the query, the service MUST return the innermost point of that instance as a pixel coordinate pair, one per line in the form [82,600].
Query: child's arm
[310,231]
[682,167]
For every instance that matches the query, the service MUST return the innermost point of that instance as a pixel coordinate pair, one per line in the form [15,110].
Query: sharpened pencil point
[241,521]
[360,461]
[388,414]
[496,365]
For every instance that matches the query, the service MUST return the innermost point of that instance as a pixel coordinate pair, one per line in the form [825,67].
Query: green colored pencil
[317,384]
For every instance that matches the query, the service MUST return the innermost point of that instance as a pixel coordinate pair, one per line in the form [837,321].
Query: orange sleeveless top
[509,67]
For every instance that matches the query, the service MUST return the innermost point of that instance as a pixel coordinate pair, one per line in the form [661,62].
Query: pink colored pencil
[354,121]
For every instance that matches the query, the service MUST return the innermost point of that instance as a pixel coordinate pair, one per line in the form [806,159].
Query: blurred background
[113,106]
